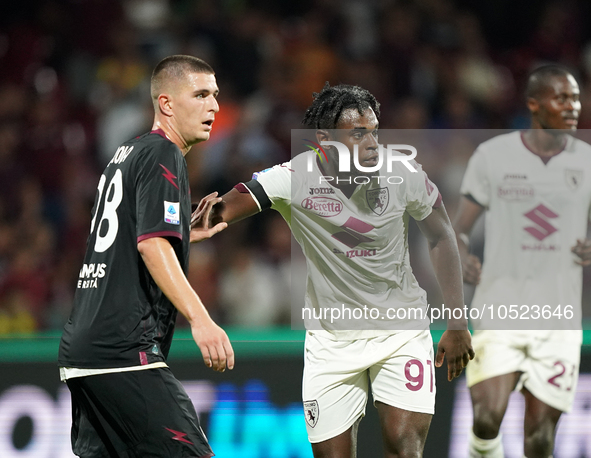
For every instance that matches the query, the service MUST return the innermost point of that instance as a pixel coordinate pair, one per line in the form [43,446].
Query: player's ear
[533,105]
[323,135]
[165,104]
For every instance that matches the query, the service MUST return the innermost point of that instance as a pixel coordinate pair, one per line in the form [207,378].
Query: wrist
[457,324]
[197,315]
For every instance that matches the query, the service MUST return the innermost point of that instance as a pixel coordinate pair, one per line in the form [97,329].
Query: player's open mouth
[571,121]
[372,160]
[208,123]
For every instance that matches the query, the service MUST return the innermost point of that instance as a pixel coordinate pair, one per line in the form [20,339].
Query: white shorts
[337,376]
[549,362]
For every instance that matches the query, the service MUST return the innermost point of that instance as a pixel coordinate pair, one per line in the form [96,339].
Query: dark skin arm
[455,342]
[468,213]
[583,250]
[233,207]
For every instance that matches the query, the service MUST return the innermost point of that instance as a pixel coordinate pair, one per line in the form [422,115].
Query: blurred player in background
[535,187]
[126,402]
[354,237]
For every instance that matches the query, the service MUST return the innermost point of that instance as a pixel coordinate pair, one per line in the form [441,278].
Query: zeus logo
[178,436]
[169,176]
[540,216]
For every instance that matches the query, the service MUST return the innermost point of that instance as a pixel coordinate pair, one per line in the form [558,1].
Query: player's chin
[570,125]
[366,174]
[202,136]
[564,129]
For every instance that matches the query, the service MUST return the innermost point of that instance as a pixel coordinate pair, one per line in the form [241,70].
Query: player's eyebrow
[363,128]
[206,92]
[568,94]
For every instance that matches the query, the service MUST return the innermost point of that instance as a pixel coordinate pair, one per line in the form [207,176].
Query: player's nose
[372,142]
[572,105]
[215,106]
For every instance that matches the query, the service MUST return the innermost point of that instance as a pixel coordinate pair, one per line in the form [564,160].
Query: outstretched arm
[161,261]
[267,188]
[215,213]
[234,206]
[468,213]
[456,341]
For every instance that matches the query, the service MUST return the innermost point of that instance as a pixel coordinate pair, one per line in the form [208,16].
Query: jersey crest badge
[378,200]
[574,178]
[311,412]
[172,213]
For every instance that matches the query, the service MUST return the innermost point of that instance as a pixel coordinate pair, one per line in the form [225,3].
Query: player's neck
[544,143]
[172,134]
[341,180]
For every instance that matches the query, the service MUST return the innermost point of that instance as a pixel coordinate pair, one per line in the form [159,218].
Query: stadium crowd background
[74,84]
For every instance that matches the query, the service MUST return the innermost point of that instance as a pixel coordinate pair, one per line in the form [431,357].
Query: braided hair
[328,104]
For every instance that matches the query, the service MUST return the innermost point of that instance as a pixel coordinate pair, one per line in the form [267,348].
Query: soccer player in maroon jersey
[126,402]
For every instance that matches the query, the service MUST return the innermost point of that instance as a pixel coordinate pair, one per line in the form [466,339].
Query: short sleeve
[276,182]
[421,194]
[476,183]
[158,195]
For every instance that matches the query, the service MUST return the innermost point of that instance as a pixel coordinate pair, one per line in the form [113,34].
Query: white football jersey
[356,248]
[535,213]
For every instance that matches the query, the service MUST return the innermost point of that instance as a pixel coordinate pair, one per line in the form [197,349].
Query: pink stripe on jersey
[241,188]
[160,234]
[357,225]
[159,132]
[438,202]
[143,358]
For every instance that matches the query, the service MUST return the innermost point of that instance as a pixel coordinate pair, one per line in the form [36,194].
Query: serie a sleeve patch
[172,212]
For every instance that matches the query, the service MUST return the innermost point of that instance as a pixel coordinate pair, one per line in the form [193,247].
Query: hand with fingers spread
[457,347]
[201,219]
[214,344]
[583,250]
[471,269]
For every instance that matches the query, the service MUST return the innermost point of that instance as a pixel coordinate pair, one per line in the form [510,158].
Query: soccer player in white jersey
[354,237]
[535,188]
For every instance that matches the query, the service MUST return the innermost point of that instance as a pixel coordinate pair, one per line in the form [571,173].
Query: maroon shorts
[144,413]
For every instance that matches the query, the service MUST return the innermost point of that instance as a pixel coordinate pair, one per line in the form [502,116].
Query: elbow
[443,238]
[149,246]
[143,248]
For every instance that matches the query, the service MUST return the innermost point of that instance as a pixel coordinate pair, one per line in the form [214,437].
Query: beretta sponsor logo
[323,206]
[515,191]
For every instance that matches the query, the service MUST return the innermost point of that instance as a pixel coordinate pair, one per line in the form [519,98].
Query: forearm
[445,258]
[463,242]
[163,265]
[234,207]
[468,212]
